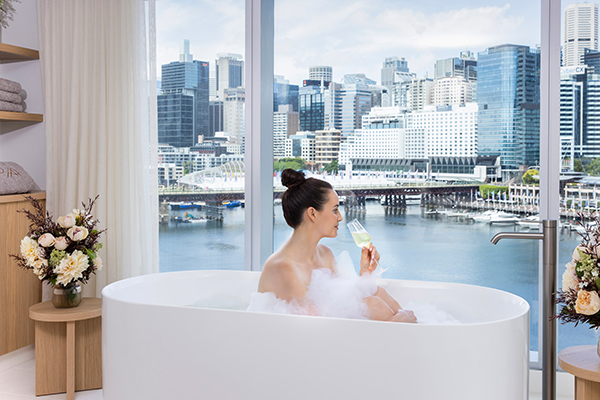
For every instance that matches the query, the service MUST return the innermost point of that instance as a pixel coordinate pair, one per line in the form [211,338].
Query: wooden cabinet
[19,288]
[10,53]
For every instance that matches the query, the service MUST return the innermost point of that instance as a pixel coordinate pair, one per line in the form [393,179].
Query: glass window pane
[579,143]
[201,134]
[421,95]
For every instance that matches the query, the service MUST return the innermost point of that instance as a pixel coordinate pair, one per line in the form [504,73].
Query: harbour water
[413,246]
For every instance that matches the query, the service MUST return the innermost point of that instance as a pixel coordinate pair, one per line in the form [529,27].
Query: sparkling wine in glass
[361,237]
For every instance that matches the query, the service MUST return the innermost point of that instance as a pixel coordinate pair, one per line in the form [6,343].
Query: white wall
[23,143]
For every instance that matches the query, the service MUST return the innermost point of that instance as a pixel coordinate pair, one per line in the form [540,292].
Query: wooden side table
[68,347]
[584,363]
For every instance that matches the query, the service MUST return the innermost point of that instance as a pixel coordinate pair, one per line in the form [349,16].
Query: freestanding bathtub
[155,345]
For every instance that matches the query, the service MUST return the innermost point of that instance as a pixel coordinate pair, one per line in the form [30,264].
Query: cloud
[212,26]
[350,36]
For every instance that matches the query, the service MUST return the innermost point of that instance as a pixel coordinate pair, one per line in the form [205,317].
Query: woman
[311,208]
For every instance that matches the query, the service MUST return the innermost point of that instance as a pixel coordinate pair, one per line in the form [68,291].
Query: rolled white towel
[10,97]
[6,106]
[10,86]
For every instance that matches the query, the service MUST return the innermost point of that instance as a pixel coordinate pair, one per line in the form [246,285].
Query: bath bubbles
[430,314]
[340,293]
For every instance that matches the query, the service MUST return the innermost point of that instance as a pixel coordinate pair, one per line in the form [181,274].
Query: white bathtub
[155,346]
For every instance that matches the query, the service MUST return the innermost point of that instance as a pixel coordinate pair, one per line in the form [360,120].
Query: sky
[352,36]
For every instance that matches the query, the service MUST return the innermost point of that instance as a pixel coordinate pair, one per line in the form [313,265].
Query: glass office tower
[508,93]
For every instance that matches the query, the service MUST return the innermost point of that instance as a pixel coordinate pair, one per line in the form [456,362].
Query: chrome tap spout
[516,235]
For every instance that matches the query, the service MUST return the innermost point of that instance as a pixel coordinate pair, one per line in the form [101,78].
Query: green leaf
[597,281]
[90,254]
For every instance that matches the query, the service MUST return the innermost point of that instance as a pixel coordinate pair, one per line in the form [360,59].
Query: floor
[17,382]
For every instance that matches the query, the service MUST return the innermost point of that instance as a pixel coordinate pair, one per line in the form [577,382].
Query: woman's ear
[311,214]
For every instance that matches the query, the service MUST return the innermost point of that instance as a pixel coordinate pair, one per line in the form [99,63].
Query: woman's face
[329,217]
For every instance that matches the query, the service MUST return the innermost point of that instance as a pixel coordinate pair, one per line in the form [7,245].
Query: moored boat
[502,218]
[531,222]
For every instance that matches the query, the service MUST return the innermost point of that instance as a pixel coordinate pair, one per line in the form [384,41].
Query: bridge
[358,190]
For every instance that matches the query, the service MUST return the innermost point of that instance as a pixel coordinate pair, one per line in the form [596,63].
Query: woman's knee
[378,309]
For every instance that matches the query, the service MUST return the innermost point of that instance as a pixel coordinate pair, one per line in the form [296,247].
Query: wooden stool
[584,363]
[68,347]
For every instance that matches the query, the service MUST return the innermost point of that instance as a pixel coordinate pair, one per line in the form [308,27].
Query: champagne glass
[362,238]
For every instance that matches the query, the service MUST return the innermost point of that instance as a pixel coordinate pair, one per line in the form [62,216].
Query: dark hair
[301,194]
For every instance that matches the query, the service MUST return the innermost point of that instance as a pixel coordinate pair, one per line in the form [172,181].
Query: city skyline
[338,36]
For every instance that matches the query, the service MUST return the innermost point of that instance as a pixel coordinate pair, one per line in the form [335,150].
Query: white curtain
[99,81]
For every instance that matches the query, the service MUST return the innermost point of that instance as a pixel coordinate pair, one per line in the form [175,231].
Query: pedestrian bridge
[218,192]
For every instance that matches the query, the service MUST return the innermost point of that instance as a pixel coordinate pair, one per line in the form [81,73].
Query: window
[200,48]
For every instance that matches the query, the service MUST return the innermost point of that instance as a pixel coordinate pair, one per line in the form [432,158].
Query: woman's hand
[369,258]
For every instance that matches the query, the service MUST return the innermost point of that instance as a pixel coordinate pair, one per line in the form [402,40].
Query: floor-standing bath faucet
[549,261]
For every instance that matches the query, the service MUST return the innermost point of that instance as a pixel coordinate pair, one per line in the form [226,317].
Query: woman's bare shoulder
[280,276]
[326,255]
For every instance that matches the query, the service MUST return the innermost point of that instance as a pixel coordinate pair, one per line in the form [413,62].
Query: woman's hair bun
[290,178]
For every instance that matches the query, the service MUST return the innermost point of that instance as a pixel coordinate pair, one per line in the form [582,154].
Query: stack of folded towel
[10,98]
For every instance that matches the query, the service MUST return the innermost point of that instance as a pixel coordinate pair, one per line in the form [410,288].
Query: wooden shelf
[9,52]
[13,198]
[6,116]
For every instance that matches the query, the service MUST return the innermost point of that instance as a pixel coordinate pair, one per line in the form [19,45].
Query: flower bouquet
[62,252]
[581,281]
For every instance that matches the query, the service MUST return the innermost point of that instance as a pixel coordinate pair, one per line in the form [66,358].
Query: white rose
[588,303]
[569,278]
[67,221]
[98,263]
[61,243]
[46,240]
[77,233]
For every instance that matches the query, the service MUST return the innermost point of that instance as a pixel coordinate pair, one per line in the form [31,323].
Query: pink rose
[46,240]
[61,243]
[77,233]
[67,221]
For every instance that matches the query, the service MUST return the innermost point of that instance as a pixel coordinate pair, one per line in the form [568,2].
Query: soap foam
[340,293]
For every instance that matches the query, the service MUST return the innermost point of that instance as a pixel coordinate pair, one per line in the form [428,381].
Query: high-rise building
[382,136]
[301,145]
[451,90]
[234,101]
[311,108]
[284,93]
[391,65]
[327,146]
[509,106]
[356,102]
[414,94]
[215,117]
[579,113]
[442,131]
[320,73]
[285,124]
[229,72]
[464,66]
[175,113]
[333,106]
[580,31]
[180,82]
[380,96]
